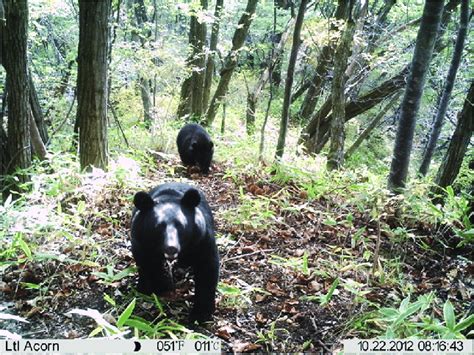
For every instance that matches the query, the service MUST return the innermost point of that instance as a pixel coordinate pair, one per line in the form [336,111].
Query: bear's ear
[191,198]
[143,201]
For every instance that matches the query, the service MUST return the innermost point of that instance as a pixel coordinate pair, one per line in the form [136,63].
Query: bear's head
[202,149]
[168,223]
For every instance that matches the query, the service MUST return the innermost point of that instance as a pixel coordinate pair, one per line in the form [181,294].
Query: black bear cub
[195,146]
[173,222]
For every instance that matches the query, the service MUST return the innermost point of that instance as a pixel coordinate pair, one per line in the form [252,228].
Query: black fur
[152,223]
[195,146]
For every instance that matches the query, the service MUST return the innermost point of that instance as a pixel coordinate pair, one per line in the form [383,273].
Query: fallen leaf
[260,319]
[274,289]
[241,347]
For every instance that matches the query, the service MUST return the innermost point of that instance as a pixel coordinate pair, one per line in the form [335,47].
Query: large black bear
[195,146]
[173,222]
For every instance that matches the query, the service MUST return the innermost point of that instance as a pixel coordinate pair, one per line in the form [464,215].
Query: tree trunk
[230,61]
[324,61]
[336,150]
[212,52]
[274,57]
[199,68]
[92,83]
[16,64]
[316,132]
[185,101]
[138,35]
[37,144]
[425,42]
[366,133]
[320,122]
[449,169]
[289,81]
[448,88]
[36,110]
[144,85]
[192,89]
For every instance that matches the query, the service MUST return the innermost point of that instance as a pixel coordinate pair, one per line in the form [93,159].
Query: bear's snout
[171,246]
[171,253]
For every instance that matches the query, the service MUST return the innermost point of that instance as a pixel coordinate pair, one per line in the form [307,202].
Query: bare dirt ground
[274,269]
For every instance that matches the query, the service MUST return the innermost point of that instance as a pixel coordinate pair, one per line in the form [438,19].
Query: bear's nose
[171,252]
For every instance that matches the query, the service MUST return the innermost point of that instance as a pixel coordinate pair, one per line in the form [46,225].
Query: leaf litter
[293,285]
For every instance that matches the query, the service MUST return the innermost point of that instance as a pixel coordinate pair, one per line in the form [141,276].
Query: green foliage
[253,212]
[109,276]
[298,264]
[415,320]
[326,298]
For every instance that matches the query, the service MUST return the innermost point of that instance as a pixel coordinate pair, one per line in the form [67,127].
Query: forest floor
[296,274]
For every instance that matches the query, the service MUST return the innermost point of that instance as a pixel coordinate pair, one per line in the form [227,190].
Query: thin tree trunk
[15,62]
[366,133]
[270,98]
[449,169]
[185,101]
[336,149]
[252,98]
[324,60]
[425,42]
[199,67]
[231,60]
[280,149]
[139,35]
[36,110]
[39,150]
[212,52]
[92,83]
[448,88]
[320,122]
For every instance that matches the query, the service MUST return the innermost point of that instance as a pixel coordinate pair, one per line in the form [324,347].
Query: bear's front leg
[153,278]
[206,275]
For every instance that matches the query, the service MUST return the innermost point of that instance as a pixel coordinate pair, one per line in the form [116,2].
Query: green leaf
[26,249]
[390,313]
[126,313]
[140,325]
[124,273]
[464,323]
[448,314]
[409,310]
[326,298]
[95,332]
[158,304]
[108,299]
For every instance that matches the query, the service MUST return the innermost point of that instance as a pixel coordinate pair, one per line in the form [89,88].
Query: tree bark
[324,60]
[366,133]
[274,57]
[449,169]
[425,42]
[336,149]
[36,110]
[139,34]
[92,83]
[192,89]
[199,67]
[317,129]
[16,65]
[320,121]
[230,61]
[37,144]
[289,81]
[448,88]
[212,52]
